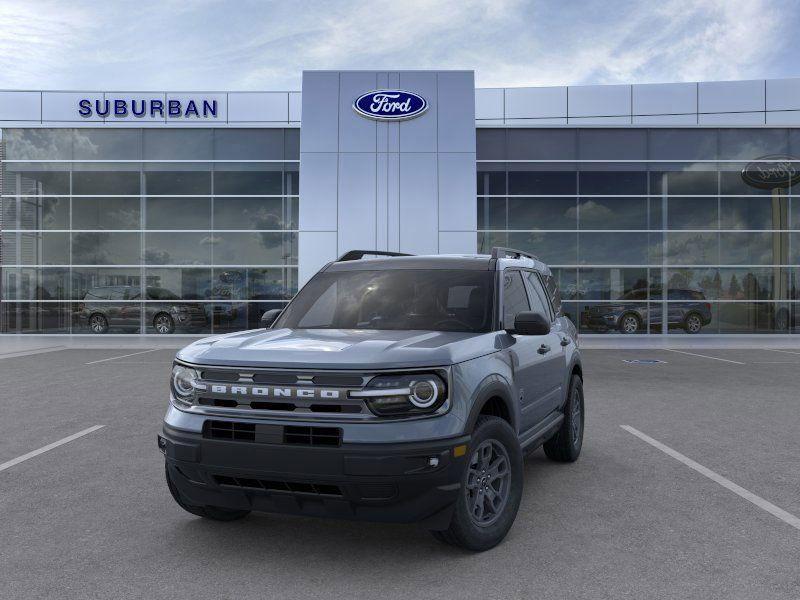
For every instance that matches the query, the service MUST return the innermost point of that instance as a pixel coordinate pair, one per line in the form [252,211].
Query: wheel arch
[494,397]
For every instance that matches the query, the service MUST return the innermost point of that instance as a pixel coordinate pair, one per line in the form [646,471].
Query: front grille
[263,433]
[291,487]
[312,436]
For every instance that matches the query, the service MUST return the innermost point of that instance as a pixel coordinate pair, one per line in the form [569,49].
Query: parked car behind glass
[103,309]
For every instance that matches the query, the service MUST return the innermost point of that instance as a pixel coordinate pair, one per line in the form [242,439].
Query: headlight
[184,382]
[407,394]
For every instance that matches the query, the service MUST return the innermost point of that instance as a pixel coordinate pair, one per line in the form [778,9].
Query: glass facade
[146,230]
[649,227]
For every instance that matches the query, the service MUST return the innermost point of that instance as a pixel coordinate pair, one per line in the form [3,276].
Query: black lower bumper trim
[397,482]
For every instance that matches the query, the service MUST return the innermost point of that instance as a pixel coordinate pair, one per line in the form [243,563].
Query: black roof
[452,262]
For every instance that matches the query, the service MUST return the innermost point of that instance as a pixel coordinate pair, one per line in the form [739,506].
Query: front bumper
[393,482]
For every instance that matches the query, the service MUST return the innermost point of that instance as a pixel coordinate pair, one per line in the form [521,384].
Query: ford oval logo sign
[390,105]
[770,172]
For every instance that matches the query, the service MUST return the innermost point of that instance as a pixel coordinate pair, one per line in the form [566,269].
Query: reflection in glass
[105,248]
[179,248]
[105,213]
[184,283]
[177,213]
[255,213]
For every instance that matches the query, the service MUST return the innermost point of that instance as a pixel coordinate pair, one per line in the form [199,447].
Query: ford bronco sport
[397,388]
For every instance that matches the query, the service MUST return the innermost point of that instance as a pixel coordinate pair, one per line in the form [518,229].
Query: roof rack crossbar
[501,252]
[359,254]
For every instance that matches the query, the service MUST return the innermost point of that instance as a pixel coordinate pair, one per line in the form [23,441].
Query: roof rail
[359,254]
[501,252]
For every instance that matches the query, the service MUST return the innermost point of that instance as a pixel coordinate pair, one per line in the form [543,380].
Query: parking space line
[784,351]
[94,362]
[31,352]
[736,362]
[43,449]
[776,511]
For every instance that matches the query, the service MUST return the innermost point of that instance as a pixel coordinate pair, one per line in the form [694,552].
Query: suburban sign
[154,107]
[773,171]
[390,105]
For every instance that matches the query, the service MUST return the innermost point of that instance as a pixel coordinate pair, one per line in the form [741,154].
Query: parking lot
[688,487]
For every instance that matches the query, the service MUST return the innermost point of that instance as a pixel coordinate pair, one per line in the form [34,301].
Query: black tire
[693,323]
[98,323]
[566,444]
[163,323]
[629,323]
[214,513]
[482,532]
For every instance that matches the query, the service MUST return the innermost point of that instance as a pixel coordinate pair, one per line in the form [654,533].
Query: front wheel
[491,488]
[98,323]
[215,513]
[163,323]
[693,323]
[566,444]
[629,323]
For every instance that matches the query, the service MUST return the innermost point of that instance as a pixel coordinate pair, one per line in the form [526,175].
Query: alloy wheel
[97,324]
[630,324]
[488,482]
[693,324]
[163,324]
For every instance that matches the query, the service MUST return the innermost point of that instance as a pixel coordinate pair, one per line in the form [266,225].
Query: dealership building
[172,212]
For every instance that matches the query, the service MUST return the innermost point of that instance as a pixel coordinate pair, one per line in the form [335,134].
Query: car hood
[339,348]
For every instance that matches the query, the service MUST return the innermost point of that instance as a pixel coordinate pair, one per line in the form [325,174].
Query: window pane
[693,248]
[614,248]
[38,144]
[107,144]
[105,248]
[29,317]
[116,183]
[179,248]
[42,213]
[178,213]
[248,144]
[37,182]
[541,144]
[248,182]
[493,214]
[612,144]
[106,213]
[515,298]
[490,144]
[177,144]
[747,248]
[35,284]
[754,213]
[613,284]
[41,249]
[491,182]
[542,213]
[610,183]
[522,181]
[750,143]
[187,284]
[612,213]
[552,248]
[682,144]
[706,281]
[255,248]
[105,283]
[178,183]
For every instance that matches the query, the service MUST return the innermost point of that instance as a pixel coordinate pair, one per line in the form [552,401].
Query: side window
[515,299]
[554,293]
[539,301]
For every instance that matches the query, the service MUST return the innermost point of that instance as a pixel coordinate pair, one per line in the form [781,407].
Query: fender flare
[491,387]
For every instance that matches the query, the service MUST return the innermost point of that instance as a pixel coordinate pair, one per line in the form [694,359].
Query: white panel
[356,133]
[457,192]
[258,106]
[783,117]
[418,204]
[198,98]
[489,103]
[537,122]
[382,128]
[318,182]
[599,100]
[665,119]
[599,120]
[20,106]
[320,129]
[63,106]
[456,111]
[295,106]
[420,134]
[381,200]
[783,94]
[731,96]
[316,249]
[664,98]
[536,103]
[393,201]
[491,122]
[458,242]
[744,118]
[357,210]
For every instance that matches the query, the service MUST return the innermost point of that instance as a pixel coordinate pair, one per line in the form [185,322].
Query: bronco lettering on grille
[275,392]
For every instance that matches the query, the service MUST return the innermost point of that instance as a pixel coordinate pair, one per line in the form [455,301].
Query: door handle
[564,341]
[543,349]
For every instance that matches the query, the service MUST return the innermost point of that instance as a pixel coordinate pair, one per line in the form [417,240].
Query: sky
[204,45]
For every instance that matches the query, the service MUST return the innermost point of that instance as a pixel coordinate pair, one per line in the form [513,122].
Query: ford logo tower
[390,105]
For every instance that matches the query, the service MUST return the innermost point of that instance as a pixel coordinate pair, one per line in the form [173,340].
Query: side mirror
[531,323]
[269,317]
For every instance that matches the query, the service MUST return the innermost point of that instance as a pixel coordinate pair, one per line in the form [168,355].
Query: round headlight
[183,379]
[423,393]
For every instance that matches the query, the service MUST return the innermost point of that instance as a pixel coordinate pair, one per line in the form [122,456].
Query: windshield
[435,300]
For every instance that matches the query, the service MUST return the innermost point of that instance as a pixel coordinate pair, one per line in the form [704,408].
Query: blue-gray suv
[391,388]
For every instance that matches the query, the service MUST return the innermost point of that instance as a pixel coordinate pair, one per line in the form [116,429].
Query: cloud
[253,44]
